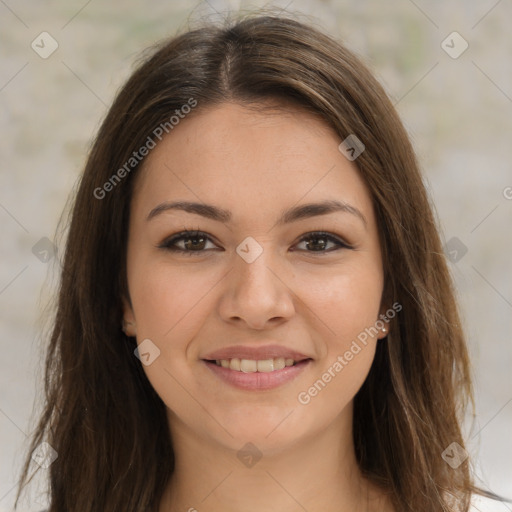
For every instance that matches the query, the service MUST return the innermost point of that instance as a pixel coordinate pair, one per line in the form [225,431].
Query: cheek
[346,302]
[166,299]
[347,307]
[170,305]
[334,385]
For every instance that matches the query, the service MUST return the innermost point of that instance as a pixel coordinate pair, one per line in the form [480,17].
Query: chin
[271,430]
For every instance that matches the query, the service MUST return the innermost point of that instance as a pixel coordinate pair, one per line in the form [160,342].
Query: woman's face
[257,275]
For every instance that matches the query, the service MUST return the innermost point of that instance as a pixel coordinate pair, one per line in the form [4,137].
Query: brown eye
[187,242]
[318,241]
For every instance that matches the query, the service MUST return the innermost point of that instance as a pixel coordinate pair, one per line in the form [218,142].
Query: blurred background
[446,65]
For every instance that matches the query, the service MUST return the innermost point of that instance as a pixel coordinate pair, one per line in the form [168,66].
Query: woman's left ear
[383,332]
[383,324]
[128,324]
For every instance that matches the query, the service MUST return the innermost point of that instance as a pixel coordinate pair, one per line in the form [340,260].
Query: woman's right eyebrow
[205,210]
[291,215]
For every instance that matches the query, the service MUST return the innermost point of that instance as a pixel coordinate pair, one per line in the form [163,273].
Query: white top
[481,504]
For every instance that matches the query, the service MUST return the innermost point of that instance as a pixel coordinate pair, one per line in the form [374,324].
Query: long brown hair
[102,416]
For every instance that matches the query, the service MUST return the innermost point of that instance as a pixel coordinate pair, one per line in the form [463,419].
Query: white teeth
[280,363]
[252,366]
[267,365]
[247,365]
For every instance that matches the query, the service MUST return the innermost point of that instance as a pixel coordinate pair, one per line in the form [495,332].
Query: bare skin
[314,296]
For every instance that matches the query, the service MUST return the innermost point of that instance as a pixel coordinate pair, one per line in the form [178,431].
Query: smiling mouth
[257,375]
[256,366]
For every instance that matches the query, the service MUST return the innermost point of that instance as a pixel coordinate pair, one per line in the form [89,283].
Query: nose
[256,294]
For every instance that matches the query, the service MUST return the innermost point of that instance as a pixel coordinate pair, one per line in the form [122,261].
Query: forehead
[249,158]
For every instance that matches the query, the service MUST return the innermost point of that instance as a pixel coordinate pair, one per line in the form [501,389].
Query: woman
[255,311]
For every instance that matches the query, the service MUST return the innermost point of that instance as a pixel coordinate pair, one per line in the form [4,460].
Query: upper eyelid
[190,233]
[336,238]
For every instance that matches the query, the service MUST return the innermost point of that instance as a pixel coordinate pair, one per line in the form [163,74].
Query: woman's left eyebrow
[291,215]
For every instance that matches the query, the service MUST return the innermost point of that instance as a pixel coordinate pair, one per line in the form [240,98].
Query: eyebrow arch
[291,215]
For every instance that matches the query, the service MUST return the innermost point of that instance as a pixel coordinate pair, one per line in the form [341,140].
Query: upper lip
[259,353]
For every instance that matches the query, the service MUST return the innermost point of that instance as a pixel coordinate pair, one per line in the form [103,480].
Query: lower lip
[258,381]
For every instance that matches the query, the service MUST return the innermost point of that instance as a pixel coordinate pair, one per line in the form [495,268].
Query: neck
[315,473]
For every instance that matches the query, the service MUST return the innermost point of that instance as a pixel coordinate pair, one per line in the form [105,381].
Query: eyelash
[168,244]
